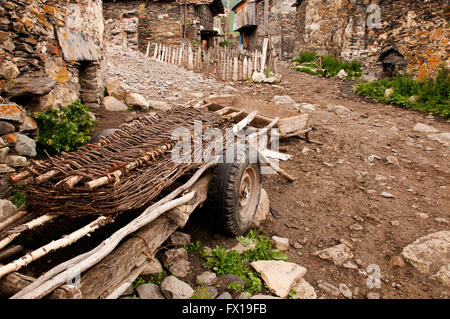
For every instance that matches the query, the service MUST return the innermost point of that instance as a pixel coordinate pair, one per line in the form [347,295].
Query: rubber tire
[223,196]
[105,133]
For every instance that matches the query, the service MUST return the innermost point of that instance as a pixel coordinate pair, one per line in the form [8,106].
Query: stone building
[257,19]
[167,22]
[51,52]
[386,36]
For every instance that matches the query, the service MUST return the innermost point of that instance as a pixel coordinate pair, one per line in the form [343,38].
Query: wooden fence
[227,64]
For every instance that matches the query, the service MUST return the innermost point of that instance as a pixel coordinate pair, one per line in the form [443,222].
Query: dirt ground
[371,149]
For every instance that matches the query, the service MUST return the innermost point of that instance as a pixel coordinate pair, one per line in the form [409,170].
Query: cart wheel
[105,133]
[233,194]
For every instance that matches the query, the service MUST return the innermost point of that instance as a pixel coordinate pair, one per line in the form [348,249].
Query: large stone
[159,105]
[16,161]
[8,70]
[153,266]
[174,288]
[207,278]
[180,268]
[419,127]
[149,291]
[280,276]
[429,253]
[4,168]
[28,124]
[32,86]
[304,290]
[77,45]
[443,275]
[281,243]
[6,208]
[116,90]
[172,255]
[137,100]
[110,103]
[263,209]
[283,100]
[25,146]
[12,112]
[337,254]
[178,239]
[3,152]
[6,128]
[443,138]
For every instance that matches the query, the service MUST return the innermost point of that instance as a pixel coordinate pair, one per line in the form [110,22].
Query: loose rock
[149,291]
[173,255]
[111,104]
[345,291]
[280,276]
[263,209]
[7,208]
[180,268]
[281,243]
[178,239]
[329,288]
[173,288]
[25,146]
[337,254]
[304,290]
[153,266]
[207,278]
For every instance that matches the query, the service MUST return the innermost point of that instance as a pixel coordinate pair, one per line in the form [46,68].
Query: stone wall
[412,36]
[157,22]
[44,45]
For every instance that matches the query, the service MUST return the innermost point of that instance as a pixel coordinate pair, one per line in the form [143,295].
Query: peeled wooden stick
[11,219]
[74,261]
[14,178]
[16,231]
[107,246]
[54,245]
[115,175]
[240,126]
[45,176]
[71,181]
[276,168]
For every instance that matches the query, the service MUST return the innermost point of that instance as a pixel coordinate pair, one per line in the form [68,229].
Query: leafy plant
[225,262]
[310,62]
[18,198]
[224,43]
[430,96]
[64,129]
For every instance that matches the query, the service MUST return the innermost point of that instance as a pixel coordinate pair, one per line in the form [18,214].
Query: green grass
[432,95]
[230,262]
[330,64]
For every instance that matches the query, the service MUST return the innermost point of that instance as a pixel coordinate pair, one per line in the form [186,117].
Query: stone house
[257,19]
[167,22]
[386,36]
[51,52]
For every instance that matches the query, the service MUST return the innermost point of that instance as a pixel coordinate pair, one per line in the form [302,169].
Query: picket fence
[226,63]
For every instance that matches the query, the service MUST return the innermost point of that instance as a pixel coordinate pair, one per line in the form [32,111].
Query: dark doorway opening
[393,63]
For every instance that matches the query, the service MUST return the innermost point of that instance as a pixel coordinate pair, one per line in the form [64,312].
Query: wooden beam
[114,270]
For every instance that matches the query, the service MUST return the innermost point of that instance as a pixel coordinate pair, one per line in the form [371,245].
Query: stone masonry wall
[42,44]
[157,22]
[412,33]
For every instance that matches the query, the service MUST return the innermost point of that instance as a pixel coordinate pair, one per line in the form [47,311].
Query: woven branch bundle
[140,151]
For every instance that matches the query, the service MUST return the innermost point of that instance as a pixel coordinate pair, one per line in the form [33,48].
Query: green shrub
[306,56]
[224,43]
[329,63]
[431,96]
[64,129]
[225,262]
